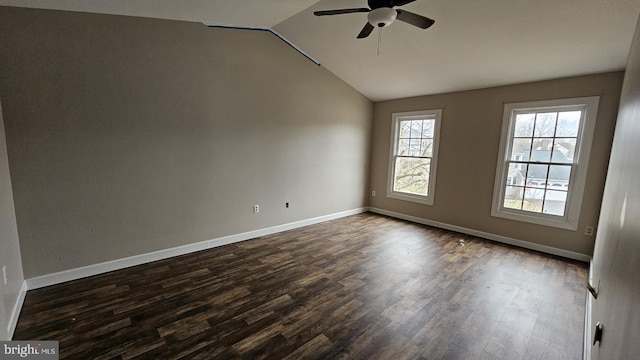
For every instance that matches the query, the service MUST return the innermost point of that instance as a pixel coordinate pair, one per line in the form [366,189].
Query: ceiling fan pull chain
[379,39]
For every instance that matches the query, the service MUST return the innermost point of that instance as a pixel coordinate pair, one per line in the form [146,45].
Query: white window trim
[577,182]
[395,127]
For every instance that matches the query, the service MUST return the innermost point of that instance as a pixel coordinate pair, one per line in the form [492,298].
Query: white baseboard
[15,312]
[95,269]
[486,235]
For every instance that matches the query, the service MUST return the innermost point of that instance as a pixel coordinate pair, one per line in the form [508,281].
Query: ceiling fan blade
[402,2]
[420,21]
[340,11]
[366,30]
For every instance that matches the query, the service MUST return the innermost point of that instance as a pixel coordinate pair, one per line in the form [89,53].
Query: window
[543,158]
[414,155]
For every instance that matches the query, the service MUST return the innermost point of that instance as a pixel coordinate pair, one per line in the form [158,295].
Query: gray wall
[127,135]
[469,142]
[10,254]
[616,259]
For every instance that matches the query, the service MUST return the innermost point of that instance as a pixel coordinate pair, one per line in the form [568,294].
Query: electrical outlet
[4,274]
[256,209]
[286,205]
[588,230]
[373,193]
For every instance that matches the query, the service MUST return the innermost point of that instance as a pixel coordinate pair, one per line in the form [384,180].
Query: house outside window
[414,155]
[542,162]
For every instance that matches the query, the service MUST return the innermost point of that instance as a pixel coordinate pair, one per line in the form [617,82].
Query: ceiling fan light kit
[381,17]
[381,14]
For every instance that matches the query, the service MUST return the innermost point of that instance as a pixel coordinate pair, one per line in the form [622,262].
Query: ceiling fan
[381,14]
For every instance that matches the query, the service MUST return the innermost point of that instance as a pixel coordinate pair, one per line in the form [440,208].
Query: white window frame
[436,115]
[589,106]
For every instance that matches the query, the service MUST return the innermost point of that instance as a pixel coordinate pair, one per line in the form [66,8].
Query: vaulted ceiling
[473,44]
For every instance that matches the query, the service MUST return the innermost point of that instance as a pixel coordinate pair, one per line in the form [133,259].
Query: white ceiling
[473,44]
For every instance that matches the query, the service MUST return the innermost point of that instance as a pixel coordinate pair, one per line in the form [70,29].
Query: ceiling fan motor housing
[382,17]
[374,4]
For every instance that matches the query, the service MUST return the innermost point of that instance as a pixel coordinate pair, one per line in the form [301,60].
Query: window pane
[559,175]
[533,200]
[521,149]
[568,123]
[516,174]
[405,129]
[554,202]
[557,185]
[542,149]
[416,129]
[412,175]
[513,197]
[414,147]
[403,147]
[545,124]
[524,125]
[564,150]
[427,129]
[427,148]
[537,176]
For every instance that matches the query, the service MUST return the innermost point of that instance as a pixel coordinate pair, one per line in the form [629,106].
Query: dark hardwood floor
[361,287]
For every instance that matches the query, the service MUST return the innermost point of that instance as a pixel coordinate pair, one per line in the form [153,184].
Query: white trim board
[285,40]
[15,312]
[486,235]
[100,268]
[586,352]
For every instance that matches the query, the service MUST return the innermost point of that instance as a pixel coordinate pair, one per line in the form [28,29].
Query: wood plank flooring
[360,287]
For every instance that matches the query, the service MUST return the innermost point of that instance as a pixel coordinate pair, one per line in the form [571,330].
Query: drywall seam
[95,269]
[486,235]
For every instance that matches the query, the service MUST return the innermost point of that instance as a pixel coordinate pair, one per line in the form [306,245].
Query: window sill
[538,219]
[410,197]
